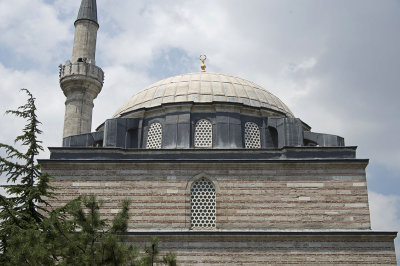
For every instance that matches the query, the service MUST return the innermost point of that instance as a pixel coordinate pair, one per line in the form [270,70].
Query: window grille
[154,136]
[202,205]
[252,136]
[203,134]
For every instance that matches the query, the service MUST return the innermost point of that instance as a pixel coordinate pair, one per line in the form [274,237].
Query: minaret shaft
[85,41]
[80,79]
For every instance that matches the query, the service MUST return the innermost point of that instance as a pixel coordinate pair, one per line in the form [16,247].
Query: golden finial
[203,66]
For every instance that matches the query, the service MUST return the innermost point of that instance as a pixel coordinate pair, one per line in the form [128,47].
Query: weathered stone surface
[81,80]
[304,212]
[276,249]
[85,40]
[80,91]
[250,196]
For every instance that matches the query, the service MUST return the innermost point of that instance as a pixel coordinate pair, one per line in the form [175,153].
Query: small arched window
[203,134]
[202,205]
[154,136]
[252,136]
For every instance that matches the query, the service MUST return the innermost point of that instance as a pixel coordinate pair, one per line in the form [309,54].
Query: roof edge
[321,232]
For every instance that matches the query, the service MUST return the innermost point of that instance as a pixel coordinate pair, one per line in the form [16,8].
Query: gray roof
[88,10]
[204,87]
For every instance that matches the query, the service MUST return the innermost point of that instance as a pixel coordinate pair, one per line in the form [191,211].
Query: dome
[204,87]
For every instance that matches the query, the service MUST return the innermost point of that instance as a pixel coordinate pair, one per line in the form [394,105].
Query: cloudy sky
[336,64]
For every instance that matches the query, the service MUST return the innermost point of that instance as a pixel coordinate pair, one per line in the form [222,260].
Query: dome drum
[203,111]
[219,129]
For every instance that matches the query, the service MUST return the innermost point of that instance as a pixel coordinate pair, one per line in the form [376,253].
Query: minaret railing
[81,68]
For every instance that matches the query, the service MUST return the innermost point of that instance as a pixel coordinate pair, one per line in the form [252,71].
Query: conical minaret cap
[88,10]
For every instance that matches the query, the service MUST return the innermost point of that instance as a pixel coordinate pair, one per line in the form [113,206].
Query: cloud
[121,83]
[385,211]
[334,63]
[31,31]
[49,101]
[385,214]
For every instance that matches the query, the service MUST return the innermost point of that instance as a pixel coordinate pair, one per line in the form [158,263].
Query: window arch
[154,136]
[203,134]
[252,136]
[202,205]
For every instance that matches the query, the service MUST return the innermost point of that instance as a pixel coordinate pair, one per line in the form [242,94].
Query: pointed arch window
[202,205]
[203,134]
[252,136]
[154,136]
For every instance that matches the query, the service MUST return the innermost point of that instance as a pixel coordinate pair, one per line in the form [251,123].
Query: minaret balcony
[81,68]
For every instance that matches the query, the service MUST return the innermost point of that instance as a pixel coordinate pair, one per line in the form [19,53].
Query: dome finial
[203,66]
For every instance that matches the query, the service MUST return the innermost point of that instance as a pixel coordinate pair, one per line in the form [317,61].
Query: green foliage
[22,212]
[92,241]
[75,234]
[151,255]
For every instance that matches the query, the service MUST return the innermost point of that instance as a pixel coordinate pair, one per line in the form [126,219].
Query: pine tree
[22,210]
[90,240]
[33,234]
[86,239]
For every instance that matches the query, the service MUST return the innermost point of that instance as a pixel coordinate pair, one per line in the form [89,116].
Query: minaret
[80,79]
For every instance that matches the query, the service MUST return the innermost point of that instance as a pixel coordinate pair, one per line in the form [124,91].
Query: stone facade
[268,211]
[277,195]
[276,248]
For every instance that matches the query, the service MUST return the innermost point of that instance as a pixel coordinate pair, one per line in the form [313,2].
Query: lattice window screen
[154,136]
[252,136]
[202,205]
[203,134]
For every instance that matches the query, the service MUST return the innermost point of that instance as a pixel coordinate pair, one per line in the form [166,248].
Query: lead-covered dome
[203,111]
[204,87]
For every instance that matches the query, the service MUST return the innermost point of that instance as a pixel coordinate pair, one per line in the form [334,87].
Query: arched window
[252,136]
[203,134]
[202,205]
[154,136]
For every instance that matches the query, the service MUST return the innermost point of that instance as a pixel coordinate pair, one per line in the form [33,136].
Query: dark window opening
[271,138]
[132,139]
[308,142]
[98,144]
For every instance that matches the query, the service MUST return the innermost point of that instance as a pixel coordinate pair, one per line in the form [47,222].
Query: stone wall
[277,249]
[296,195]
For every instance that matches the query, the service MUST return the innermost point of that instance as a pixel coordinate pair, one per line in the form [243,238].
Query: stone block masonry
[249,196]
[300,211]
[276,248]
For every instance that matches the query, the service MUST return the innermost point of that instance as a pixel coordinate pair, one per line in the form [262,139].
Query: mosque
[216,166]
